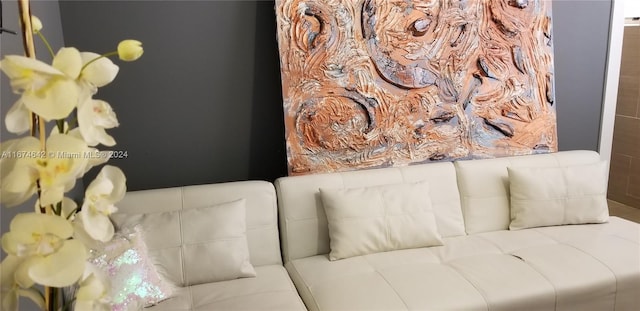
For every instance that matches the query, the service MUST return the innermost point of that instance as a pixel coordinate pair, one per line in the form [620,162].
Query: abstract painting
[376,83]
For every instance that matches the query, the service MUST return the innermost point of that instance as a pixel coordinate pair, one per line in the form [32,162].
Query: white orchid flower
[50,91]
[56,170]
[50,258]
[93,294]
[94,160]
[10,289]
[20,174]
[97,70]
[80,234]
[18,118]
[94,116]
[108,188]
[12,149]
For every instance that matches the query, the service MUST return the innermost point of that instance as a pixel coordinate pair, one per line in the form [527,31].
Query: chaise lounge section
[481,264]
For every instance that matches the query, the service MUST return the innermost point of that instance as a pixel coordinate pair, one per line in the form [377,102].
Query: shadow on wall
[267,154]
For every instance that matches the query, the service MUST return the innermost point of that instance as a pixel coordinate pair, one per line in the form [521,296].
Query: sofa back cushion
[303,222]
[484,185]
[165,245]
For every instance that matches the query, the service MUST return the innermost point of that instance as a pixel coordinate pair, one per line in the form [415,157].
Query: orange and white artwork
[375,83]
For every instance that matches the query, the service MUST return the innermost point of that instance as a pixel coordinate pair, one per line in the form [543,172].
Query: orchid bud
[130,50]
[36,24]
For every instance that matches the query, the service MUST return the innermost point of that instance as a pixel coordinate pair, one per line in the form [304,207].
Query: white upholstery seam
[615,297]
[282,224]
[355,218]
[387,228]
[273,223]
[247,295]
[191,299]
[387,281]
[609,234]
[302,219]
[562,198]
[214,240]
[555,290]
[492,243]
[404,178]
[182,257]
[262,227]
[537,229]
[615,277]
[566,189]
[482,294]
[304,282]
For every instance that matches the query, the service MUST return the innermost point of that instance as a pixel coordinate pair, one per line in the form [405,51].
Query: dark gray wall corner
[268,154]
[581,41]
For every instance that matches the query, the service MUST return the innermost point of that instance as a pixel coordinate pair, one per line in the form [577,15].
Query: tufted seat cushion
[272,289]
[531,269]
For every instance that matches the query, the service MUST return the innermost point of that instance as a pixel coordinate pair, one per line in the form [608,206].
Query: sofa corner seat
[271,289]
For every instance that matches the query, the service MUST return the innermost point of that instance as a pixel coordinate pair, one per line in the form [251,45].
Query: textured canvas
[373,83]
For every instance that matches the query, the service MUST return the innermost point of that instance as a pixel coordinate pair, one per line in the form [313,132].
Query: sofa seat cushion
[551,268]
[271,289]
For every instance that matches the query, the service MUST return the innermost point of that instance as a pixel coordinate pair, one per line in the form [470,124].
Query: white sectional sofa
[481,264]
[168,234]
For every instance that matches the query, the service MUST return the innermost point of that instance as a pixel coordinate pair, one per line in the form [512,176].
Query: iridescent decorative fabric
[134,279]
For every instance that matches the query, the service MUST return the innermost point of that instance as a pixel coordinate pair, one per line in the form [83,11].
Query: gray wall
[204,102]
[581,38]
[48,11]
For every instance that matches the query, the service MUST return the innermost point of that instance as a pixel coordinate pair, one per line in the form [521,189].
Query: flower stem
[30,51]
[60,125]
[52,298]
[67,305]
[27,30]
[73,213]
[99,57]
[57,209]
[73,123]
[46,43]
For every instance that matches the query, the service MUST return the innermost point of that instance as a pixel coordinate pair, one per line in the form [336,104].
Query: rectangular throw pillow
[377,219]
[549,196]
[213,239]
[215,243]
